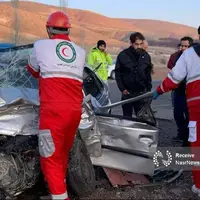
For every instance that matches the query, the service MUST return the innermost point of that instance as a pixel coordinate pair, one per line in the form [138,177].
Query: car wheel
[113,75]
[19,164]
[81,175]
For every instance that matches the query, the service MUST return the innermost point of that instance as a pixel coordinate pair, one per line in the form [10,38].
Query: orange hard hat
[58,20]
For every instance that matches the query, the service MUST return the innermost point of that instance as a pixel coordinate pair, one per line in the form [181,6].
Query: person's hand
[155,95]
[125,92]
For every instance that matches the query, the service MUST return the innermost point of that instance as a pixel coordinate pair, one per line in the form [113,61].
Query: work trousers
[194,139]
[136,106]
[57,130]
[181,116]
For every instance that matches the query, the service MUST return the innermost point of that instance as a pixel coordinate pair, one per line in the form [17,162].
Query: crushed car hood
[13,96]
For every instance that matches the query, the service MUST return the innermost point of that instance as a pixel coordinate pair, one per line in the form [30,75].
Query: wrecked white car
[103,139]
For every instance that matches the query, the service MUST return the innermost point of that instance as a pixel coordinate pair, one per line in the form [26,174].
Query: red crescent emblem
[63,52]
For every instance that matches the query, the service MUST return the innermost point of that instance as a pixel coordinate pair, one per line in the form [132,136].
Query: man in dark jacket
[179,96]
[173,57]
[133,73]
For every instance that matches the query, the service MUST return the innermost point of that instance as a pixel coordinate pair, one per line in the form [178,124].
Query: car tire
[112,75]
[19,165]
[81,174]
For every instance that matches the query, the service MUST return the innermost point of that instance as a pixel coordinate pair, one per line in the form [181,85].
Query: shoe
[185,144]
[46,197]
[196,190]
[177,139]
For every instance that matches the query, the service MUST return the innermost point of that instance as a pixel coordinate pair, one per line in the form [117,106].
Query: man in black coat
[133,73]
[181,114]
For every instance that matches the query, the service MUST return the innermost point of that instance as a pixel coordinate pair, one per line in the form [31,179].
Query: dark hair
[188,39]
[198,30]
[136,36]
[101,42]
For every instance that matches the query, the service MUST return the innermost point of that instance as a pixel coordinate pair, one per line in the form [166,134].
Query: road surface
[162,105]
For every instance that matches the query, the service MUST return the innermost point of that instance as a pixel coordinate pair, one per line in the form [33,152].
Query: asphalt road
[162,105]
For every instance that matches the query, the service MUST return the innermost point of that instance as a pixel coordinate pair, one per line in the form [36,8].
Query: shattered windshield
[13,73]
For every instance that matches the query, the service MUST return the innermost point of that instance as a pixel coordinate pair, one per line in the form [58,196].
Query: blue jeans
[181,115]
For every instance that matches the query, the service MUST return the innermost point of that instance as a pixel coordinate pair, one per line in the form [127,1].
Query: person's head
[101,45]
[198,31]
[58,24]
[186,42]
[145,45]
[136,40]
[179,48]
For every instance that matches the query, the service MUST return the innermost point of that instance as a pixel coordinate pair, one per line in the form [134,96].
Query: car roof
[6,45]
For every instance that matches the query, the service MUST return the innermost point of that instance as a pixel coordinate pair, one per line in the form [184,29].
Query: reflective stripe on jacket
[95,57]
[59,64]
[187,66]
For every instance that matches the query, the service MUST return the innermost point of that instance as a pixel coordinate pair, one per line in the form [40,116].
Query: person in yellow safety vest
[97,56]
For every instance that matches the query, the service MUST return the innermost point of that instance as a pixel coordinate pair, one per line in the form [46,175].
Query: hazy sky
[180,11]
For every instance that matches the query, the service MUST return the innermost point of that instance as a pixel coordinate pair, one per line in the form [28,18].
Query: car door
[127,144]
[93,85]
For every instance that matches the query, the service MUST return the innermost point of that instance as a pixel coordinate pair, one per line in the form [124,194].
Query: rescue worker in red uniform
[188,66]
[179,97]
[59,64]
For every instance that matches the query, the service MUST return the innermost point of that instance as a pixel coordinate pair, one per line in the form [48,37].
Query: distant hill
[88,27]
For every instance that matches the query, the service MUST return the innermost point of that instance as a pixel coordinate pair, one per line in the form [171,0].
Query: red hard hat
[58,20]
